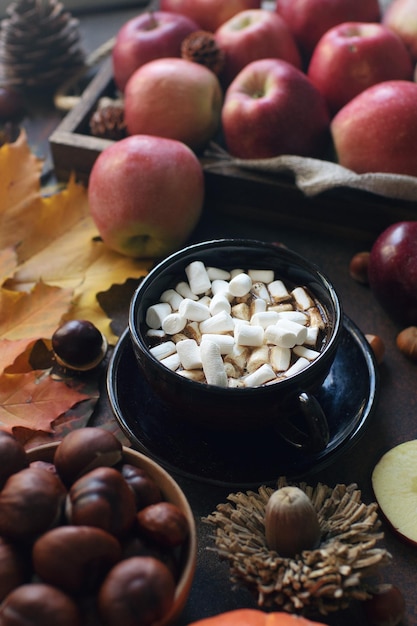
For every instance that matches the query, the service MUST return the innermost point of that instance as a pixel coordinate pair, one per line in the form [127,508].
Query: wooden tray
[267,198]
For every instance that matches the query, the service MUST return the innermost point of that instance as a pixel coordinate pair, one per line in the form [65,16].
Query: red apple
[310,19]
[377,130]
[401,17]
[353,56]
[174,98]
[148,36]
[392,271]
[145,195]
[271,108]
[209,14]
[251,35]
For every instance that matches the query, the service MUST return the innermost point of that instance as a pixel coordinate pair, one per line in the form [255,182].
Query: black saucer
[348,397]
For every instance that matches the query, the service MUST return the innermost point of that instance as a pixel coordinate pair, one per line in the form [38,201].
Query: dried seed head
[291,522]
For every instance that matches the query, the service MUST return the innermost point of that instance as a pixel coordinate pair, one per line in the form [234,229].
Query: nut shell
[83,450]
[144,487]
[164,523]
[102,498]
[139,590]
[37,604]
[13,456]
[79,345]
[31,502]
[88,554]
[291,522]
[14,567]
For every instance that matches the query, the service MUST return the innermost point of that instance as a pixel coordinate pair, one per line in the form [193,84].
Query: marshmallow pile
[235,329]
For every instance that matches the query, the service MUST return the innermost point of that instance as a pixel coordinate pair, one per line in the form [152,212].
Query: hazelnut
[139,590]
[144,487]
[31,502]
[407,342]
[358,267]
[164,523]
[37,604]
[79,345]
[14,567]
[13,456]
[84,449]
[87,552]
[386,606]
[291,522]
[377,347]
[102,498]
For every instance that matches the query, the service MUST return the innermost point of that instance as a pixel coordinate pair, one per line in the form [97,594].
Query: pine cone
[108,122]
[201,47]
[39,44]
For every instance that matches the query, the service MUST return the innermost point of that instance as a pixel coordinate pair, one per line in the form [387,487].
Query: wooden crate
[266,198]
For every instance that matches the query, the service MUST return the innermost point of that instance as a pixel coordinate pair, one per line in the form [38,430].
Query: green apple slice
[394,482]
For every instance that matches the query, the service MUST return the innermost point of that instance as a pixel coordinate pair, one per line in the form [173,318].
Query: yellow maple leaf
[34,314]
[8,263]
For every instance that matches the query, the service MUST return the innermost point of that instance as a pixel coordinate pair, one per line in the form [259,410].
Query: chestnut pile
[85,538]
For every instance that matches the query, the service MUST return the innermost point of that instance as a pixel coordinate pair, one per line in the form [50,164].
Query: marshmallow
[297,367]
[193,311]
[316,318]
[220,323]
[262,375]
[218,303]
[312,335]
[264,319]
[285,333]
[225,342]
[305,352]
[156,313]
[163,350]
[213,366]
[258,357]
[259,290]
[184,290]
[189,354]
[257,305]
[302,298]
[172,297]
[261,276]
[220,286]
[215,273]
[174,323]
[247,335]
[240,285]
[280,358]
[172,362]
[278,291]
[241,311]
[197,277]
[294,316]
[155,333]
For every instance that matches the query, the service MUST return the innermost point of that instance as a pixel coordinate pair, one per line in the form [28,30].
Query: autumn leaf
[11,350]
[8,263]
[34,400]
[34,314]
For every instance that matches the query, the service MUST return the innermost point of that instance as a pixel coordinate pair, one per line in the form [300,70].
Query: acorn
[291,522]
[79,345]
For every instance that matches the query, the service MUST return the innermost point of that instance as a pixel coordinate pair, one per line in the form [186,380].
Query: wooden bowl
[171,492]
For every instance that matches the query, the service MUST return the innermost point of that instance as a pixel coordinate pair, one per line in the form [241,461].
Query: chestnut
[38,604]
[12,455]
[79,345]
[164,523]
[15,569]
[102,498]
[144,487]
[84,449]
[31,502]
[139,590]
[87,553]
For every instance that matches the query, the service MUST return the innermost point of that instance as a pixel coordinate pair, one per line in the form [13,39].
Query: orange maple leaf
[8,263]
[34,400]
[11,350]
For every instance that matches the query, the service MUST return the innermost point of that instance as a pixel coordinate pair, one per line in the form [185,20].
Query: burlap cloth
[314,176]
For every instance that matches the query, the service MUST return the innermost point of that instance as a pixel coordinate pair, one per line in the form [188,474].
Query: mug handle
[316,436]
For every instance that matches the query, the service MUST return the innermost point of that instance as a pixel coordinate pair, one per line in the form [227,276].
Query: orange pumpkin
[255,617]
